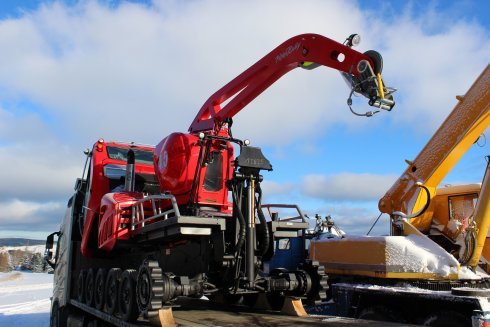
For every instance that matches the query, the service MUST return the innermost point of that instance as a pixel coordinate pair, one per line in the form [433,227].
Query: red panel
[115,213]
[176,160]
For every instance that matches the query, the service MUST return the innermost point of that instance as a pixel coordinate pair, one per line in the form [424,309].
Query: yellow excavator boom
[458,132]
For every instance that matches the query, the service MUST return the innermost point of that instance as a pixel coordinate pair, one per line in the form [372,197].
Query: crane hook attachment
[370,82]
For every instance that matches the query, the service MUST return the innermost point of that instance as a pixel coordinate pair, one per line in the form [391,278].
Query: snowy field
[24,299]
[30,248]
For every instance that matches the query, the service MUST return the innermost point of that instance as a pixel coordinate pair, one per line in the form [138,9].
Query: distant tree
[17,257]
[48,268]
[11,263]
[37,262]
[26,261]
[5,262]
[23,259]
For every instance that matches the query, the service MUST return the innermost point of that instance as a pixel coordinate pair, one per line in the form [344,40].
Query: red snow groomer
[187,213]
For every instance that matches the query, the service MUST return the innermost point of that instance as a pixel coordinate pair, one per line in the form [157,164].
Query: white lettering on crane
[288,51]
[163,160]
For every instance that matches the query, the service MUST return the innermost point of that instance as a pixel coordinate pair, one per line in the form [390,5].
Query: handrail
[138,216]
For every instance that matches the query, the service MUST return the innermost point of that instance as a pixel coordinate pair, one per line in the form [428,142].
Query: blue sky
[74,71]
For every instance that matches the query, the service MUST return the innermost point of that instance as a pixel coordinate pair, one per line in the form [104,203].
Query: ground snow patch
[25,299]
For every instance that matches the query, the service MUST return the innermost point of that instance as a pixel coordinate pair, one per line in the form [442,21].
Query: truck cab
[104,172]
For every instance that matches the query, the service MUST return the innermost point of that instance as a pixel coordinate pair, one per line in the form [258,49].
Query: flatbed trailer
[200,313]
[396,303]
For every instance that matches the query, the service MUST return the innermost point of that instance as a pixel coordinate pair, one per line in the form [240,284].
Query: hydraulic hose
[427,204]
[197,176]
[241,220]
[421,211]
[264,244]
[470,243]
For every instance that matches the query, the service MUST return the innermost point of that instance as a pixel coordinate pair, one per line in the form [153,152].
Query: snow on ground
[24,299]
[30,248]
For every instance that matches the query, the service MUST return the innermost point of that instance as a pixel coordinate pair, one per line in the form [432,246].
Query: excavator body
[438,238]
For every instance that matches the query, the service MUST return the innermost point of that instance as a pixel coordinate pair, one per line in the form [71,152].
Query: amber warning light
[100,144]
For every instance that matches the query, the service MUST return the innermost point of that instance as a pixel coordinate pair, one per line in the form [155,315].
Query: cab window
[141,156]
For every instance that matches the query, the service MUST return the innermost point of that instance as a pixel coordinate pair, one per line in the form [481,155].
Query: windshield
[141,156]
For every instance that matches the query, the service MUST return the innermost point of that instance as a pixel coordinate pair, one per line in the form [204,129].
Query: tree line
[23,260]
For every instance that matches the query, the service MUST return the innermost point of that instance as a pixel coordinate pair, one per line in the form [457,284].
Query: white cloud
[355,219]
[136,73]
[21,127]
[432,67]
[350,199]
[100,67]
[38,170]
[271,188]
[18,214]
[347,186]
[140,72]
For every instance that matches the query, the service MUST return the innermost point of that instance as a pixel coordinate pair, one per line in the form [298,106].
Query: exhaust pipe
[130,173]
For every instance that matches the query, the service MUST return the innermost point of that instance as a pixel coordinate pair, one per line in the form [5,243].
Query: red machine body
[149,225]
[307,51]
[180,172]
[194,168]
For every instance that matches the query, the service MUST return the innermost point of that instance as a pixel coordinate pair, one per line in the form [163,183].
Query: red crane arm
[298,51]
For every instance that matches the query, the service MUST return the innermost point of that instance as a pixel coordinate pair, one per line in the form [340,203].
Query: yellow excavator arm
[454,137]
[416,248]
[461,129]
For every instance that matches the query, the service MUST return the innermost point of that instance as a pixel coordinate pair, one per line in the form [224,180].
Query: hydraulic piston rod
[250,261]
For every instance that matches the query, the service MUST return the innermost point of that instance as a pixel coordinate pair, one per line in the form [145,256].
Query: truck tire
[54,320]
[446,319]
[90,287]
[59,315]
[379,313]
[112,290]
[94,323]
[81,286]
[149,287]
[99,288]
[128,308]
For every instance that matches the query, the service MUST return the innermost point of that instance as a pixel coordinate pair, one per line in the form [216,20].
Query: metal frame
[138,210]
[301,215]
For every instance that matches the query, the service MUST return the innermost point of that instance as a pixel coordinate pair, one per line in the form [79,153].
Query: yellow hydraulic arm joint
[380,86]
[482,219]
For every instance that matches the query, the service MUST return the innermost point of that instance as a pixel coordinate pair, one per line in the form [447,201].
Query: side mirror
[48,252]
[78,184]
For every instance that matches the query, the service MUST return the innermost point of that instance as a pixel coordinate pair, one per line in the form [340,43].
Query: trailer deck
[203,313]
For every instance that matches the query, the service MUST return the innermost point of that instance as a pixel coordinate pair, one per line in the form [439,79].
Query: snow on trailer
[399,255]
